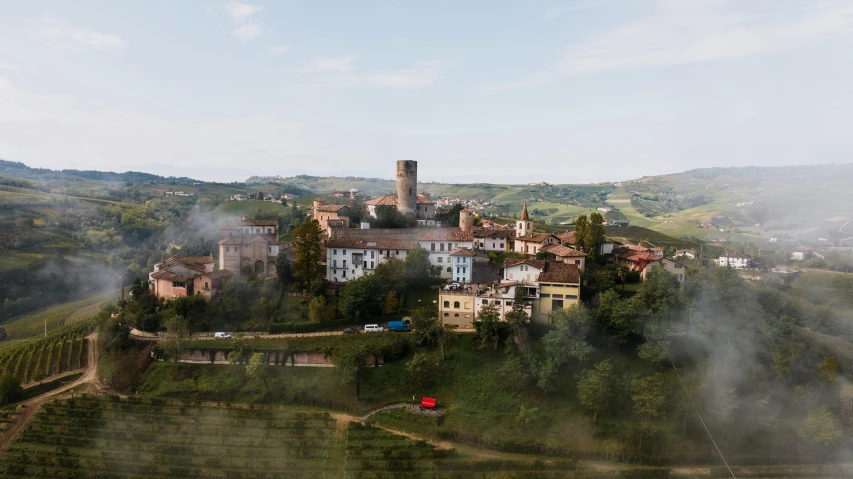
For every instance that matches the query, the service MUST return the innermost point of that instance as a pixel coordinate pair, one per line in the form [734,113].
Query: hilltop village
[542,268]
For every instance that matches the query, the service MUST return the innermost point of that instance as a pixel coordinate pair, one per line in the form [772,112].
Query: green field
[65,349]
[33,325]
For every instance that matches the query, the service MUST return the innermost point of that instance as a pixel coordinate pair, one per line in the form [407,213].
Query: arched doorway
[259,267]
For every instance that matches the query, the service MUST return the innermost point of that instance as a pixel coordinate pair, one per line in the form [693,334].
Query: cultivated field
[55,317]
[35,360]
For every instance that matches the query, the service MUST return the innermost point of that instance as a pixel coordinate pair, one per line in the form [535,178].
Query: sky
[496,91]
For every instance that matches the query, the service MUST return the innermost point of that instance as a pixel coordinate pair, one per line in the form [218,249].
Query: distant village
[250,247]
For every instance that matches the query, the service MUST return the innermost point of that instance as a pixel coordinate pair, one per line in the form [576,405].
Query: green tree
[581,233]
[357,211]
[649,398]
[283,270]
[416,370]
[828,370]
[568,340]
[418,272]
[10,389]
[177,335]
[659,291]
[820,426]
[317,309]
[616,319]
[593,236]
[257,369]
[239,350]
[362,297]
[392,303]
[595,388]
[351,361]
[307,244]
[527,415]
[487,326]
[517,318]
[388,217]
[654,350]
[845,396]
[194,308]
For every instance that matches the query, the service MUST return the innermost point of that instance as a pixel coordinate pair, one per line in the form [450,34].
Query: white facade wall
[344,264]
[733,262]
[461,268]
[522,272]
[491,244]
[439,254]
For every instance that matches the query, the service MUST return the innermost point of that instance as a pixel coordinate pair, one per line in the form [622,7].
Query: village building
[331,216]
[568,239]
[186,276]
[639,259]
[348,259]
[249,248]
[801,254]
[566,254]
[733,260]
[462,264]
[424,207]
[493,240]
[532,243]
[685,253]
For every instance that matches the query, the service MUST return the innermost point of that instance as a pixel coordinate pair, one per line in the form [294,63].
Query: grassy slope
[31,326]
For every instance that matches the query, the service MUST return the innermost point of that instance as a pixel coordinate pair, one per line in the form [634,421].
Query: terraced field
[94,436]
[54,318]
[34,360]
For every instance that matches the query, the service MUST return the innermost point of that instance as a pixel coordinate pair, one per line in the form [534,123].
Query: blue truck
[400,326]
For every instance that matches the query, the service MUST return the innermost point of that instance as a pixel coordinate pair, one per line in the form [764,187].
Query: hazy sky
[573,91]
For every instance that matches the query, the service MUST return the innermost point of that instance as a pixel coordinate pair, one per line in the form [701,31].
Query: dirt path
[30,406]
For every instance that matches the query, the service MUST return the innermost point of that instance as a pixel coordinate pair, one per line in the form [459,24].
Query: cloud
[242,12]
[9,67]
[247,32]
[64,36]
[679,33]
[343,72]
[329,65]
[279,49]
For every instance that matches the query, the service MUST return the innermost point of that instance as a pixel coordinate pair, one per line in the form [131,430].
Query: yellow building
[457,308]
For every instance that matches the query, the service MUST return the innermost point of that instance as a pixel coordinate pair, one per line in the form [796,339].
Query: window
[485,302]
[178,284]
[455,315]
[509,303]
[344,273]
[397,252]
[344,252]
[227,249]
[449,246]
[556,304]
[578,262]
[447,304]
[432,247]
[334,263]
[560,296]
[449,269]
[334,251]
[456,304]
[464,269]
[206,286]
[269,249]
[545,295]
[502,246]
[345,264]
[457,271]
[371,265]
[571,296]
[441,246]
[440,259]
[446,315]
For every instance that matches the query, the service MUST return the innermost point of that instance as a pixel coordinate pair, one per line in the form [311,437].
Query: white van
[221,335]
[373,328]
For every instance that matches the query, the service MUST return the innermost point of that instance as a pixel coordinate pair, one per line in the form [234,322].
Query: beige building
[565,254]
[457,308]
[249,248]
[331,216]
[424,207]
[186,276]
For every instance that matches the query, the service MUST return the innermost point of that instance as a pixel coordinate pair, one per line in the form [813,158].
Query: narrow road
[30,406]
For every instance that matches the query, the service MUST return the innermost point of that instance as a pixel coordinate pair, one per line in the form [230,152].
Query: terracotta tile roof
[484,233]
[193,259]
[387,200]
[422,200]
[563,251]
[524,215]
[536,263]
[534,237]
[379,243]
[567,238]
[560,273]
[258,222]
[222,273]
[445,234]
[165,265]
[463,252]
[641,256]
[331,208]
[169,276]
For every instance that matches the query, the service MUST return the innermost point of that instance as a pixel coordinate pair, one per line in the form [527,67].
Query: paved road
[30,406]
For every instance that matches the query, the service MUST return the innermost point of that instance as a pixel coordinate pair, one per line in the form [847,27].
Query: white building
[440,242]
[733,260]
[685,253]
[493,240]
[348,259]
[462,261]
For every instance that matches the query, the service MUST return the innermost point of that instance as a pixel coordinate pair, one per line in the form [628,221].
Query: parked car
[350,331]
[221,335]
[401,326]
[373,328]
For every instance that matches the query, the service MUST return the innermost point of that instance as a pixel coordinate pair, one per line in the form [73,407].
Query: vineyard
[93,436]
[64,350]
[56,318]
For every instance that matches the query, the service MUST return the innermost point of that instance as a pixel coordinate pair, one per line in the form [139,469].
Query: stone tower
[523,225]
[466,221]
[407,183]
